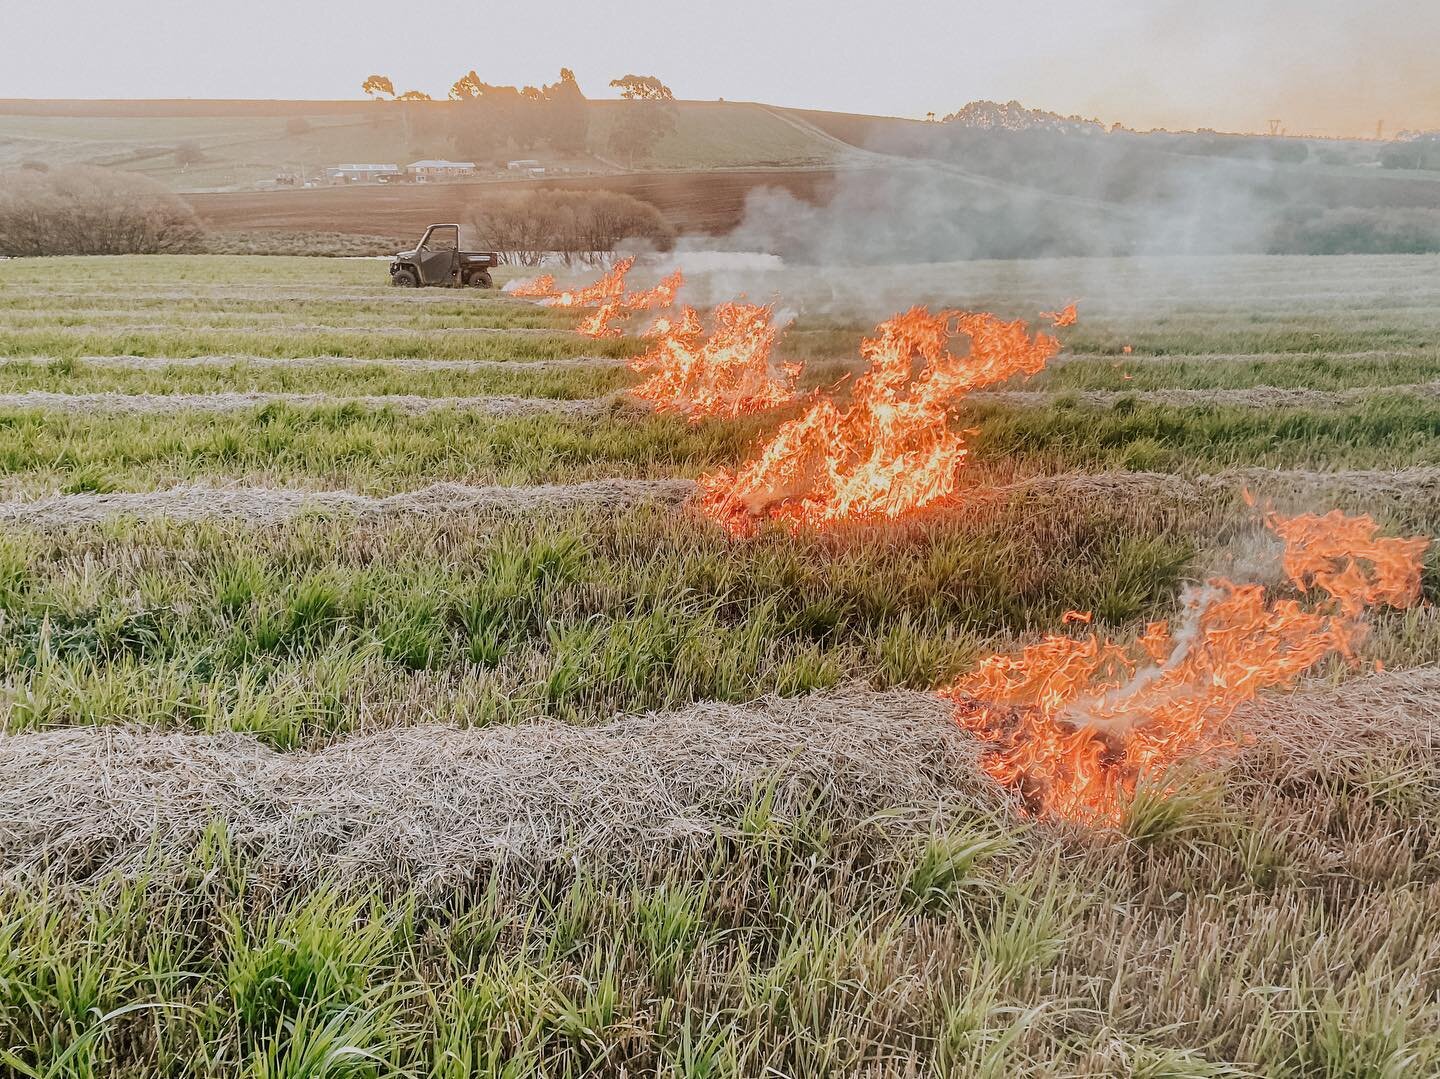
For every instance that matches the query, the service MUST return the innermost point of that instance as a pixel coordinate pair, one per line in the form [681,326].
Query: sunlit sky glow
[1326,67]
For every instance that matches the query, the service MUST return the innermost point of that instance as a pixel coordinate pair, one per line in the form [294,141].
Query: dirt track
[709,202]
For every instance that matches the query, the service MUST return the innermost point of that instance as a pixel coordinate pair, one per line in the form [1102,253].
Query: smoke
[1194,602]
[944,194]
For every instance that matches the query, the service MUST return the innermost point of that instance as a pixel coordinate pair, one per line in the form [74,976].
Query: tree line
[485,121]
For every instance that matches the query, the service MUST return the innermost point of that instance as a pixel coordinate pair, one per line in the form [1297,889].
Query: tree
[642,88]
[82,210]
[647,116]
[376,85]
[560,113]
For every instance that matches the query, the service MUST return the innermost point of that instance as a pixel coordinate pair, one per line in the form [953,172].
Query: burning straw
[1073,724]
[609,296]
[892,450]
[731,372]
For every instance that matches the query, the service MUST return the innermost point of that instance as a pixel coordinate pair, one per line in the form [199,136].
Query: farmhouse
[423,171]
[363,174]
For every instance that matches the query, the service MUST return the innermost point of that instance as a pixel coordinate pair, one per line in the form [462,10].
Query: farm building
[439,170]
[350,174]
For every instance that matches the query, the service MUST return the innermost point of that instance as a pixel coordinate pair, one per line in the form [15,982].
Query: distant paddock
[708,202]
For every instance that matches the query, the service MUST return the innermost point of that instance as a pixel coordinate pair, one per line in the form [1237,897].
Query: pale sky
[1327,67]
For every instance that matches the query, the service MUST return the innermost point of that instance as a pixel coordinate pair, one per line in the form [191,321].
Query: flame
[600,322]
[892,450]
[609,297]
[658,298]
[1082,618]
[611,286]
[1066,316]
[1072,724]
[729,373]
[535,288]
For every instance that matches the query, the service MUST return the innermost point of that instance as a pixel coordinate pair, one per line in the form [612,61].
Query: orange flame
[1082,618]
[600,322]
[535,288]
[729,373]
[892,451]
[1072,725]
[1066,316]
[609,297]
[658,298]
[611,286]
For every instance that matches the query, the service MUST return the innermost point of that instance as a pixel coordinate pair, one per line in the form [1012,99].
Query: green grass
[374,451]
[379,451]
[282,632]
[340,380]
[1383,431]
[1323,372]
[472,344]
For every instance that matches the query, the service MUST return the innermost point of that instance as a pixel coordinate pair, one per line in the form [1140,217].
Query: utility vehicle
[438,260]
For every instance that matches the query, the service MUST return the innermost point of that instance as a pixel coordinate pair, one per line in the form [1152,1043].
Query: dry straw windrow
[439,805]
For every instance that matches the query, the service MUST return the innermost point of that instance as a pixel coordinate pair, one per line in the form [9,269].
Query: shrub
[583,225]
[81,210]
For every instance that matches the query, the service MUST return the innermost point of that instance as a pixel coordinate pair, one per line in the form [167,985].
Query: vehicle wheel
[482,280]
[404,277]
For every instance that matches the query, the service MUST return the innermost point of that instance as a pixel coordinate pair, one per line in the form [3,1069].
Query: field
[407,717]
[241,143]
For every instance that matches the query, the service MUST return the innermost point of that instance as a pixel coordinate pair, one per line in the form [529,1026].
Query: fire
[658,298]
[729,373]
[892,450]
[1072,724]
[609,296]
[611,286]
[1066,316]
[1082,618]
[602,322]
[535,288]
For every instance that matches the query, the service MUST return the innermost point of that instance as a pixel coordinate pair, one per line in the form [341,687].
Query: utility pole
[1379,130]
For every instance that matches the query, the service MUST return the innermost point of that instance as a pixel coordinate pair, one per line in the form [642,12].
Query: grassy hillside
[240,149]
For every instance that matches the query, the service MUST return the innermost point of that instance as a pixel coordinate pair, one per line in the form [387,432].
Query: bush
[90,211]
[583,225]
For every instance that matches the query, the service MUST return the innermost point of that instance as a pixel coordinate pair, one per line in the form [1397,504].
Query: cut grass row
[379,451]
[341,380]
[1323,372]
[460,344]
